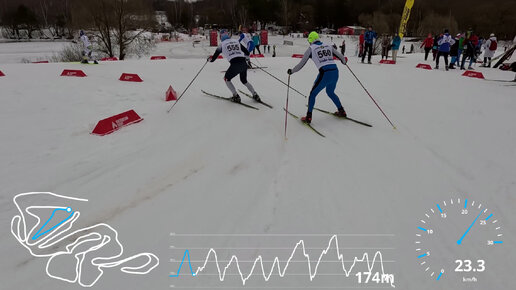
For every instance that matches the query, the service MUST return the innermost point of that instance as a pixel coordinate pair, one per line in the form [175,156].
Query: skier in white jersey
[86,54]
[322,55]
[235,53]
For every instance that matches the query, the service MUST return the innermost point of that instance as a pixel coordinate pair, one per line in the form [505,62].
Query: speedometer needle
[467,231]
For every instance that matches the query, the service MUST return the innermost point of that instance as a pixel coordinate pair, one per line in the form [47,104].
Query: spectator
[386,45]
[490,47]
[361,41]
[427,44]
[454,52]
[461,48]
[435,47]
[369,38]
[396,42]
[256,40]
[470,44]
[445,42]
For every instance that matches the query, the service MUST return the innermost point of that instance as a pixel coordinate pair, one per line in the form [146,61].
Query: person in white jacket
[86,54]
[490,47]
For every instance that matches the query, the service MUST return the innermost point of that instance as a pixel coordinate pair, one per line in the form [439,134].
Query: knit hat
[313,37]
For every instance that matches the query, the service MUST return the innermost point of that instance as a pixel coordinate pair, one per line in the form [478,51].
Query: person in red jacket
[361,44]
[427,44]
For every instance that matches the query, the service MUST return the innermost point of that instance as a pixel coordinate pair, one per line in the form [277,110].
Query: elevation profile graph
[297,265]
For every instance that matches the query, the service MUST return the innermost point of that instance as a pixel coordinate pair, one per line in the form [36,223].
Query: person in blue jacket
[445,42]
[396,42]
[322,55]
[369,38]
[256,40]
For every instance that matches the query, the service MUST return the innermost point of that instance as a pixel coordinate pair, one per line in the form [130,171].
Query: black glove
[289,71]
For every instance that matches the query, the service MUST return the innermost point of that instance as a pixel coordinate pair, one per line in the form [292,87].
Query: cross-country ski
[229,100]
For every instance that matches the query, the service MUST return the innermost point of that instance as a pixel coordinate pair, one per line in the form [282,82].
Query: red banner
[112,124]
[158,57]
[264,37]
[424,66]
[130,78]
[386,61]
[474,74]
[73,73]
[114,58]
[214,38]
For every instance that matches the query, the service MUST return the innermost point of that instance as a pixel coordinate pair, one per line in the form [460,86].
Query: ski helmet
[313,37]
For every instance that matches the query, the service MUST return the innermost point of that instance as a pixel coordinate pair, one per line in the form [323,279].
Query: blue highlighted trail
[40,233]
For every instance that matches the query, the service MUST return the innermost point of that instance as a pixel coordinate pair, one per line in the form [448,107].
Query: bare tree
[117,23]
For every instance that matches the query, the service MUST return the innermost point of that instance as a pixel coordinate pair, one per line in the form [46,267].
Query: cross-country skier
[235,53]
[322,55]
[86,54]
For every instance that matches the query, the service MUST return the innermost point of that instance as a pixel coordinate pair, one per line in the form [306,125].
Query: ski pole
[188,86]
[286,106]
[281,81]
[394,127]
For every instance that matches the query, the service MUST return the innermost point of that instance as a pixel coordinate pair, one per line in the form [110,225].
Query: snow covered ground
[212,167]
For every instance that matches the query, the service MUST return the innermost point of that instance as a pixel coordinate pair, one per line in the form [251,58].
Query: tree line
[62,18]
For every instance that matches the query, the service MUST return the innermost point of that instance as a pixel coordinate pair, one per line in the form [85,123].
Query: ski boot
[257,98]
[446,67]
[84,61]
[436,67]
[452,66]
[341,113]
[235,99]
[307,119]
[95,62]
[470,68]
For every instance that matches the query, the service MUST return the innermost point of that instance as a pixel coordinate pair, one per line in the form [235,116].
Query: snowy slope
[215,167]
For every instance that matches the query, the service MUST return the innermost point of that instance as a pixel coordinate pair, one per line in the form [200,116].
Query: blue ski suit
[328,71]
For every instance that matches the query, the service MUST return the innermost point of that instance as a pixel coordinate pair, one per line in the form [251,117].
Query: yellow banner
[405,18]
